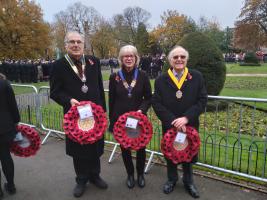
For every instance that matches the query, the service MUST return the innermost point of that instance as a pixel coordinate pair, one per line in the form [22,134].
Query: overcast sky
[225,11]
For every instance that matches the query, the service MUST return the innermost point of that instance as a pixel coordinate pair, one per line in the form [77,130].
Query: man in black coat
[180,97]
[75,78]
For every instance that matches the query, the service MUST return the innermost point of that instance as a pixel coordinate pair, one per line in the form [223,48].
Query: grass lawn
[253,87]
[245,87]
[105,75]
[261,93]
[24,90]
[236,69]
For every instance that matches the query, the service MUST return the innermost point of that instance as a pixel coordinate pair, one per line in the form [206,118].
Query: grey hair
[128,49]
[170,55]
[66,39]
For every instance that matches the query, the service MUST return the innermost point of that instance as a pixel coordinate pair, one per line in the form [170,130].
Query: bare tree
[126,24]
[80,18]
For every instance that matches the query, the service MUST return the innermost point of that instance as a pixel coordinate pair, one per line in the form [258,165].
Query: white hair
[128,49]
[66,39]
[170,55]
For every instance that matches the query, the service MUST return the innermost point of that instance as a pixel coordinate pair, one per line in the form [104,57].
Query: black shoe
[141,181]
[99,182]
[78,190]
[130,181]
[11,189]
[192,190]
[168,187]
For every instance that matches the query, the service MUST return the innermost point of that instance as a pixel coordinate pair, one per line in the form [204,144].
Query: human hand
[183,128]
[180,123]
[74,102]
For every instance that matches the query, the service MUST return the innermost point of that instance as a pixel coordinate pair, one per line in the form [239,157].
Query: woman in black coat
[9,117]
[123,98]
[178,105]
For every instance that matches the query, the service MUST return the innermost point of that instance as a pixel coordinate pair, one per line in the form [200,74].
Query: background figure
[129,90]
[180,97]
[75,78]
[9,117]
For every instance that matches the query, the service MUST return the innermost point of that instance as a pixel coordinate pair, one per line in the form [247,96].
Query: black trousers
[128,161]
[173,174]
[86,169]
[7,162]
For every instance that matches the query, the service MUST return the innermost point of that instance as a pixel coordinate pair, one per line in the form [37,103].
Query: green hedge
[207,58]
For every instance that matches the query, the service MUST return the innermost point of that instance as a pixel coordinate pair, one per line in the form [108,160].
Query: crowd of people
[26,71]
[180,97]
[152,65]
[239,57]
[33,71]
[234,57]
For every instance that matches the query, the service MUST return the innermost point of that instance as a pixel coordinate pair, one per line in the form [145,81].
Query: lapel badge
[90,61]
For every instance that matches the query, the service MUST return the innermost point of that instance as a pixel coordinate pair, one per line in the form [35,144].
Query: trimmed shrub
[251,58]
[207,58]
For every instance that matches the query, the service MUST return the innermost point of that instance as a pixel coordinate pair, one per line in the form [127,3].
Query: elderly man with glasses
[180,97]
[77,77]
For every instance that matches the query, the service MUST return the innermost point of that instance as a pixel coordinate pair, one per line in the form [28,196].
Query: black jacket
[120,103]
[9,114]
[191,105]
[65,85]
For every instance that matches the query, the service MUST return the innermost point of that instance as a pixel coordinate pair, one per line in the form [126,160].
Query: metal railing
[233,132]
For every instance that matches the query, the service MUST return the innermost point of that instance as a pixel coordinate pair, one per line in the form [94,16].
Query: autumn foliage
[23,33]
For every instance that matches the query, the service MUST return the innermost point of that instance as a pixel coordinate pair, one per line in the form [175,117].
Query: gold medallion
[86,124]
[180,146]
[179,94]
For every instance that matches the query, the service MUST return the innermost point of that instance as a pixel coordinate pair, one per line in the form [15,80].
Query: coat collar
[89,63]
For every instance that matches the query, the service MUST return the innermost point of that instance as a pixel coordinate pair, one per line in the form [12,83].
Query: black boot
[192,190]
[169,187]
[130,181]
[141,180]
[79,190]
[10,188]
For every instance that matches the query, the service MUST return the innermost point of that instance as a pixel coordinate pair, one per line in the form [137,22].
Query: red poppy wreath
[85,131]
[29,143]
[180,152]
[145,131]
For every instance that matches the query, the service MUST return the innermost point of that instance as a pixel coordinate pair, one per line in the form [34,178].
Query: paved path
[50,176]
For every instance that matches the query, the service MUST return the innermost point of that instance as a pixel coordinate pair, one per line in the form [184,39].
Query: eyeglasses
[179,56]
[128,56]
[72,42]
